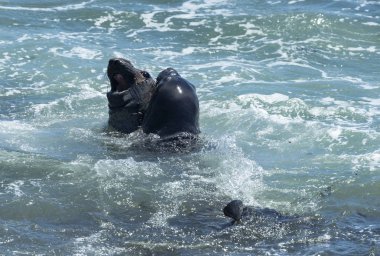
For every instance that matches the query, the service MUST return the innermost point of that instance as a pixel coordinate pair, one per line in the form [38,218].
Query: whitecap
[15,188]
[369,161]
[371,23]
[98,22]
[10,92]
[372,101]
[270,98]
[362,49]
[335,132]
[77,51]
[327,100]
[295,1]
[252,29]
[15,127]
[229,78]
[51,9]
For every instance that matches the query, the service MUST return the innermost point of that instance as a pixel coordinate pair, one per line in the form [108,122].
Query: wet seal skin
[128,99]
[168,107]
[240,213]
[174,107]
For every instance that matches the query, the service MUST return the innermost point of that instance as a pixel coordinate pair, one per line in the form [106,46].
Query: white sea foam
[295,1]
[327,100]
[77,51]
[271,98]
[24,37]
[48,9]
[369,161]
[371,23]
[198,23]
[354,80]
[150,22]
[335,133]
[335,47]
[108,18]
[167,54]
[15,127]
[374,161]
[14,188]
[362,49]
[252,29]
[10,92]
[228,78]
[372,101]
[189,10]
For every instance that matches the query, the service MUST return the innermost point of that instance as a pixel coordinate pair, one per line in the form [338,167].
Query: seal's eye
[145,74]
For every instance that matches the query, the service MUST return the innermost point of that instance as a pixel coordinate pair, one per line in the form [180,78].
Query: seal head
[128,99]
[174,107]
[234,210]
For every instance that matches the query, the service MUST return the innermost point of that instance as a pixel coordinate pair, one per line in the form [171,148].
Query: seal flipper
[234,210]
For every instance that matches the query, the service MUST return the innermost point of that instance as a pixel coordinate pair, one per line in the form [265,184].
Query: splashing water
[289,112]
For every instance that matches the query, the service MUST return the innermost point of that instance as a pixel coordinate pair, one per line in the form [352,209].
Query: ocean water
[289,112]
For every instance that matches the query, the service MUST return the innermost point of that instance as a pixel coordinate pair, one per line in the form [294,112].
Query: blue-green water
[290,117]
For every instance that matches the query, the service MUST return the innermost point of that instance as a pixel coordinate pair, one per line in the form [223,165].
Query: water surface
[290,118]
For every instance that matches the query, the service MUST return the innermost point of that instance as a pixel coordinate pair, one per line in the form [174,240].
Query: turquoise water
[290,116]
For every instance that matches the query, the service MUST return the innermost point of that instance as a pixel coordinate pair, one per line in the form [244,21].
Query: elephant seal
[168,107]
[173,108]
[238,212]
[128,99]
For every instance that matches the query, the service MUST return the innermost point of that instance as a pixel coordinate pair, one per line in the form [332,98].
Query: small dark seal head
[234,210]
[238,212]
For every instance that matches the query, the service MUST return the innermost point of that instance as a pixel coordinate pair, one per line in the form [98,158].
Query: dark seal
[174,107]
[131,90]
[168,107]
[238,212]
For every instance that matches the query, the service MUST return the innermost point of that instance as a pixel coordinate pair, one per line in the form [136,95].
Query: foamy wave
[148,19]
[335,133]
[10,92]
[78,104]
[362,49]
[271,98]
[189,10]
[372,101]
[295,1]
[51,9]
[15,127]
[80,52]
[374,24]
[108,18]
[14,188]
[252,29]
[369,161]
[174,54]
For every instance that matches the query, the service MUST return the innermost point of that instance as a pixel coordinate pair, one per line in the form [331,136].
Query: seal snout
[119,61]
[112,62]
[122,74]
